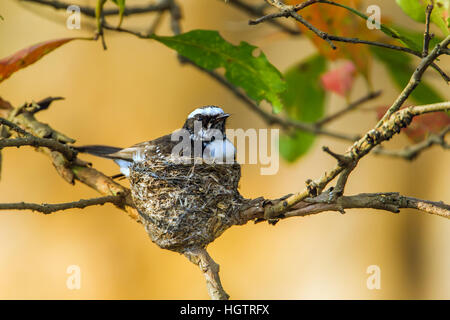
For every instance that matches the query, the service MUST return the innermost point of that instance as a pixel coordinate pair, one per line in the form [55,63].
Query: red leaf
[423,125]
[27,56]
[340,80]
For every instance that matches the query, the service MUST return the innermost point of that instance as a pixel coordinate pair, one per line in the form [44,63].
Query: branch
[360,148]
[352,106]
[210,269]
[63,157]
[14,127]
[427,36]
[413,151]
[90,11]
[391,202]
[258,11]
[46,208]
[415,79]
[33,141]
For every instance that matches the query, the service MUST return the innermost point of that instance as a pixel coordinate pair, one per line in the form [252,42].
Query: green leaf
[400,67]
[415,9]
[304,100]
[98,13]
[255,74]
[121,5]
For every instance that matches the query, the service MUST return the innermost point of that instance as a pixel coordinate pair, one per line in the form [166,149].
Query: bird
[183,206]
[205,127]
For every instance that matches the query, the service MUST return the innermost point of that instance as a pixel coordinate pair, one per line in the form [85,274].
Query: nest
[185,205]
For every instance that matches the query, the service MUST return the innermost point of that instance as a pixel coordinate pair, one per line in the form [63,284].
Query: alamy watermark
[73,281]
[74,19]
[249,146]
[373,282]
[374,19]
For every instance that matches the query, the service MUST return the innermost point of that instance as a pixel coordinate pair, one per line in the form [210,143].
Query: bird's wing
[161,145]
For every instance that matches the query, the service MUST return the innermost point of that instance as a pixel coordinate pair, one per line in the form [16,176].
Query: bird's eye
[213,138]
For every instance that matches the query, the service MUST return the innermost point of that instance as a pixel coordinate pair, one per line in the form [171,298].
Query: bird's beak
[221,117]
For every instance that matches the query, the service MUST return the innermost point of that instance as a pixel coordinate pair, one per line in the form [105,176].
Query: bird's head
[206,122]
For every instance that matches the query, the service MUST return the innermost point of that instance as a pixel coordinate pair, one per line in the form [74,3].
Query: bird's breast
[221,150]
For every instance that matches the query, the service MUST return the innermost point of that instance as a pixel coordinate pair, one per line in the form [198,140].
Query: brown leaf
[27,56]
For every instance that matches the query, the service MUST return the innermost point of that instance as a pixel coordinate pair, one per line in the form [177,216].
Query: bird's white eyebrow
[208,111]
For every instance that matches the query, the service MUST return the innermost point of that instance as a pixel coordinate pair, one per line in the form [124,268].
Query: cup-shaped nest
[185,204]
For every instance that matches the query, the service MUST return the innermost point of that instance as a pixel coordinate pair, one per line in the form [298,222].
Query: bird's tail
[99,150]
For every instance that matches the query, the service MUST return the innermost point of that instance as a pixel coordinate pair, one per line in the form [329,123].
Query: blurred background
[136,91]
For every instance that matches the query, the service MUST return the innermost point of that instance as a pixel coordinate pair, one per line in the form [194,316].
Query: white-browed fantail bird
[205,126]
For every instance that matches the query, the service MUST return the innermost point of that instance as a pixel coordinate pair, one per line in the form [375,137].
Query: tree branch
[352,106]
[360,148]
[210,269]
[415,79]
[427,36]
[90,11]
[391,202]
[51,144]
[412,152]
[46,208]
[259,11]
[63,157]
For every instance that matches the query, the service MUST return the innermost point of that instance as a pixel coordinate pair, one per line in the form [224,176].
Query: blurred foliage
[400,67]
[338,21]
[415,9]
[304,100]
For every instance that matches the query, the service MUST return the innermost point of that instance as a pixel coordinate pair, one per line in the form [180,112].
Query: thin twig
[319,33]
[352,106]
[14,127]
[412,152]
[427,36]
[46,208]
[175,17]
[257,11]
[90,11]
[155,24]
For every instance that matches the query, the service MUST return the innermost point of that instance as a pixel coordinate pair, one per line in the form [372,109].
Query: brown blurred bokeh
[137,90]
